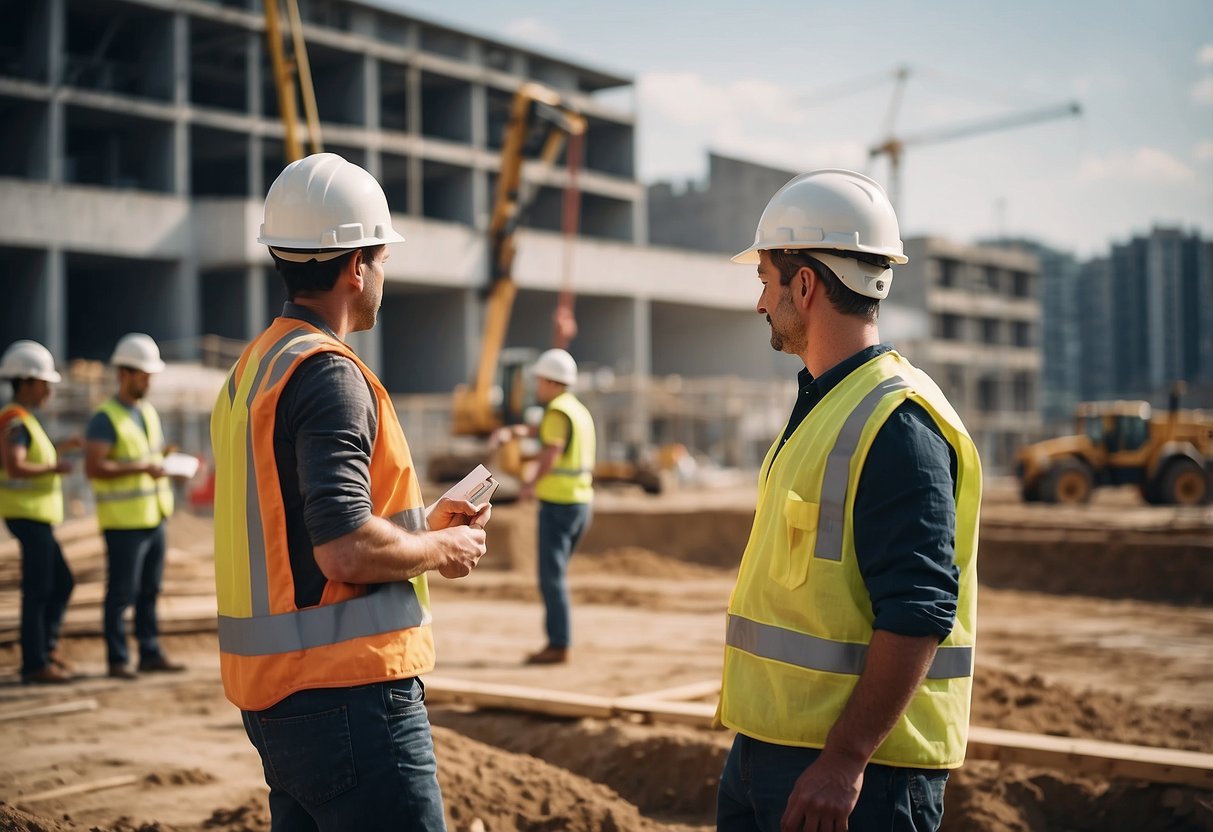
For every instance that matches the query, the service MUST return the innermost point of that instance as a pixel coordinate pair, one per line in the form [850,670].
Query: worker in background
[849,640]
[322,540]
[31,503]
[562,481]
[124,451]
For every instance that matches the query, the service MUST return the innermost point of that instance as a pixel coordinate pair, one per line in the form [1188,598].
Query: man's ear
[353,270]
[803,284]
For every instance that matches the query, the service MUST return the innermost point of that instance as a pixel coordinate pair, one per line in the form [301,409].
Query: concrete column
[415,189]
[472,323]
[370,108]
[640,218]
[255,314]
[481,205]
[642,361]
[252,51]
[54,304]
[369,346]
[55,128]
[186,312]
[181,96]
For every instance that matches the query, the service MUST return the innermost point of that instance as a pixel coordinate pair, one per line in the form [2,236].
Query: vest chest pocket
[790,564]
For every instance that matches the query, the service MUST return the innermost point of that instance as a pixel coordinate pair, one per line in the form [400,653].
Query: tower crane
[894,146]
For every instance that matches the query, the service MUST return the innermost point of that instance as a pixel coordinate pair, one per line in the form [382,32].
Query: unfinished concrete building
[970,316]
[141,135]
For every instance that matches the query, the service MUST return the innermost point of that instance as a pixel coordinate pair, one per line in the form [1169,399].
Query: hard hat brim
[751,257]
[146,367]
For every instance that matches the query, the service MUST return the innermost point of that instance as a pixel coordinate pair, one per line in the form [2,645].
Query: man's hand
[154,470]
[462,547]
[72,443]
[824,796]
[63,467]
[447,512]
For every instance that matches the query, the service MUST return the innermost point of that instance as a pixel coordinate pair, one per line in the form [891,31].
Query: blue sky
[749,80]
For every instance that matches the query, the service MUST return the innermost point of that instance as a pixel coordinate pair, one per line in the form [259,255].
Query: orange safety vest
[357,634]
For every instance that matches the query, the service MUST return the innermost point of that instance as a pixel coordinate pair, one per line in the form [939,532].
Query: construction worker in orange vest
[322,540]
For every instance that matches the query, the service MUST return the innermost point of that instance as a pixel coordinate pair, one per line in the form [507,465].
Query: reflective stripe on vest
[40,497]
[838,471]
[815,653]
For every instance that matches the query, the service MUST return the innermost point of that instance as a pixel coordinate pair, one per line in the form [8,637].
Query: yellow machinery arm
[474,413]
[286,68]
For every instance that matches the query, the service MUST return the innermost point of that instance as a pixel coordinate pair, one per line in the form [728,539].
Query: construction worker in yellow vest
[124,452]
[849,640]
[322,540]
[563,483]
[31,503]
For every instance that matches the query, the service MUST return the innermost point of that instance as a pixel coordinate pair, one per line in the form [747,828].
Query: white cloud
[683,113]
[1203,152]
[1145,164]
[533,30]
[1205,56]
[1202,90]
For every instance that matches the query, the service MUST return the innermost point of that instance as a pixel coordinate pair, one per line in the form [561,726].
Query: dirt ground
[1131,665]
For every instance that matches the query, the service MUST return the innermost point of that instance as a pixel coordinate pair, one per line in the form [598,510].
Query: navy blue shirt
[101,427]
[904,518]
[324,429]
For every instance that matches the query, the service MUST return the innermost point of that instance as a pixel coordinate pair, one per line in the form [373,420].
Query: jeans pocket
[926,798]
[311,756]
[406,696]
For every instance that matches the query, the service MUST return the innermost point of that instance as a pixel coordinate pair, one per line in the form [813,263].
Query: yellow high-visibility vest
[571,479]
[133,501]
[800,619]
[357,634]
[31,498]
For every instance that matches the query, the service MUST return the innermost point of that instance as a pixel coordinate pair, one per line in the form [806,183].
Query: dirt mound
[641,563]
[507,791]
[620,755]
[981,797]
[1003,700]
[13,819]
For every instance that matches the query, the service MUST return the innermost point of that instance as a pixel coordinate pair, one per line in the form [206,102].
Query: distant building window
[1022,392]
[949,272]
[990,331]
[1021,284]
[987,395]
[1023,334]
[990,278]
[950,327]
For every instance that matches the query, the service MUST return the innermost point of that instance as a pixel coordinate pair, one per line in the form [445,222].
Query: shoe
[49,675]
[549,655]
[159,664]
[58,661]
[121,671]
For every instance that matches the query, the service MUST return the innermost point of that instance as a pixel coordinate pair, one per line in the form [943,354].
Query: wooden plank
[114,782]
[1094,758]
[442,690]
[682,693]
[56,709]
[1091,758]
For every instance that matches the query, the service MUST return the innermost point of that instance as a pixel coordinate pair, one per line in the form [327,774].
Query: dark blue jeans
[135,566]
[357,759]
[560,528]
[46,584]
[758,778]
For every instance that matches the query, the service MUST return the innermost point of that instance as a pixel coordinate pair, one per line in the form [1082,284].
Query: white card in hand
[180,465]
[471,486]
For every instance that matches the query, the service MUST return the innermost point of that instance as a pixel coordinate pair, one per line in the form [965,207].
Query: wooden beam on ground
[441,690]
[1091,758]
[1095,758]
[682,693]
[57,709]
[114,782]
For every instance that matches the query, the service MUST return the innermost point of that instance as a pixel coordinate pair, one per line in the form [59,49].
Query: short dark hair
[842,297]
[316,275]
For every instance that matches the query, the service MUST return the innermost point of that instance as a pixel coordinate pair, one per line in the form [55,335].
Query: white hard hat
[28,359]
[558,366]
[325,206]
[139,352]
[833,210]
